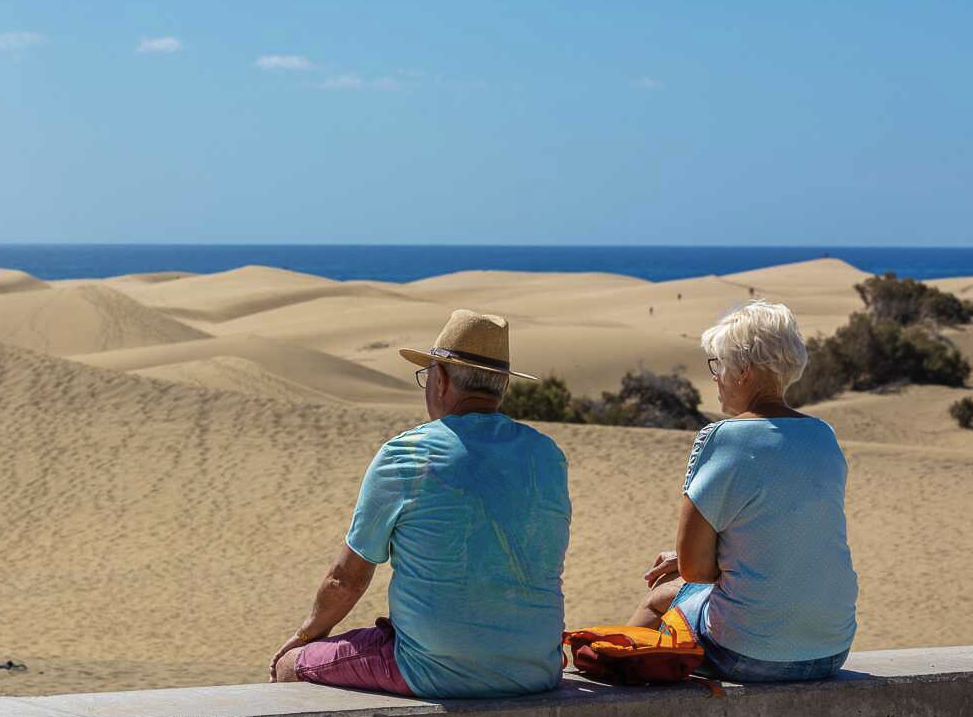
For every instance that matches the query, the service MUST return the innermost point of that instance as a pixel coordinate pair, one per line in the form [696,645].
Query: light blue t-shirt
[774,491]
[476,511]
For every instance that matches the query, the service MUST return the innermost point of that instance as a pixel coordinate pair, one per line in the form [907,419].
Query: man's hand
[665,564]
[294,641]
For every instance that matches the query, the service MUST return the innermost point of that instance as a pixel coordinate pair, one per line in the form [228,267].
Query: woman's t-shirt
[774,491]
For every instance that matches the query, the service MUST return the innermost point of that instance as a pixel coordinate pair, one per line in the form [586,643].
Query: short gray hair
[468,379]
[762,334]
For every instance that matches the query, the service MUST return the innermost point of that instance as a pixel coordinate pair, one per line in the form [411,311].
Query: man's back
[476,510]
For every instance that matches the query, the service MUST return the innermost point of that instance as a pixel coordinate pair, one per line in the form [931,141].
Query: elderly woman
[762,569]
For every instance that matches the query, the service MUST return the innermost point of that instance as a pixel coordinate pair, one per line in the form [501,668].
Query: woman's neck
[768,405]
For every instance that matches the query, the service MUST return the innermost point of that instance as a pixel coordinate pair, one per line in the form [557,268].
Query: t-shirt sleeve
[380,503]
[717,480]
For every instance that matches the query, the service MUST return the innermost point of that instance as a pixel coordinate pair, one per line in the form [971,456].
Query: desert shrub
[825,376]
[645,399]
[933,360]
[545,400]
[962,411]
[867,354]
[906,301]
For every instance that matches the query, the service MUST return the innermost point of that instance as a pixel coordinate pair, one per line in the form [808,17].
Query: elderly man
[473,510]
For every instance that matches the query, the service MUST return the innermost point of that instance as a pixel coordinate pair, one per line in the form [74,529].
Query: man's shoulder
[537,438]
[411,437]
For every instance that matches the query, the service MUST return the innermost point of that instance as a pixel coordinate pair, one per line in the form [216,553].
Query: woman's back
[773,489]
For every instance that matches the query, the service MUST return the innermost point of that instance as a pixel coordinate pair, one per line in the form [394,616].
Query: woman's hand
[666,564]
[294,641]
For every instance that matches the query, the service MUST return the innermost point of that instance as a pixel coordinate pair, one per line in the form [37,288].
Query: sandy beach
[181,455]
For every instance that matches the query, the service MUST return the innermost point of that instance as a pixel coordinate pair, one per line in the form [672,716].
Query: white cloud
[159,44]
[410,73]
[647,83]
[284,62]
[12,41]
[356,82]
[343,82]
[385,83]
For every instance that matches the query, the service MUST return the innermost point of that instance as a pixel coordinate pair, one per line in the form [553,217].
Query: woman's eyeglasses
[714,366]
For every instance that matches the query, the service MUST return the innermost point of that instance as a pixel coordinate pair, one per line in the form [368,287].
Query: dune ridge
[232,373]
[12,281]
[240,292]
[316,371]
[85,319]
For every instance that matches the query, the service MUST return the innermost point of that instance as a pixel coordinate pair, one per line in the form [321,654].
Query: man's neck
[474,404]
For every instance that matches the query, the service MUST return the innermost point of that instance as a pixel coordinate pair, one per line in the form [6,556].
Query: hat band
[472,358]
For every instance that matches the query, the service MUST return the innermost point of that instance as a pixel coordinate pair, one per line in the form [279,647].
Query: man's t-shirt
[476,511]
[774,491]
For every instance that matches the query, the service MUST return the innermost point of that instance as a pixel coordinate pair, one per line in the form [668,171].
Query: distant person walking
[762,569]
[473,510]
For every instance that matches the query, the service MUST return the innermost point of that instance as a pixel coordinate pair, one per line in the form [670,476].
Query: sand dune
[914,415]
[563,324]
[173,497]
[241,292]
[961,286]
[181,531]
[84,319]
[315,371]
[156,277]
[230,373]
[12,281]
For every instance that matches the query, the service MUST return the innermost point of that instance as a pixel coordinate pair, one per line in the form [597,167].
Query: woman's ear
[746,374]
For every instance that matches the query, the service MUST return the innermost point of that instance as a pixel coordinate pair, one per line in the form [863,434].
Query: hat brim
[424,359]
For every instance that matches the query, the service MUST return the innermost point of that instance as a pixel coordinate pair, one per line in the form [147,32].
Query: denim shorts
[725,664]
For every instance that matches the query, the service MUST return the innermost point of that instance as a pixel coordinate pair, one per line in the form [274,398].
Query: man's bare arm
[340,590]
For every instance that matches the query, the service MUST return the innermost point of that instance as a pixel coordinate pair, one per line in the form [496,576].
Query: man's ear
[443,385]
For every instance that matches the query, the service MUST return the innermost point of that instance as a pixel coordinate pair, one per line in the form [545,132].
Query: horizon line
[483,245]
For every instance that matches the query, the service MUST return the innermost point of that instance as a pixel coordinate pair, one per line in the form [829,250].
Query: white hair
[761,334]
[476,380]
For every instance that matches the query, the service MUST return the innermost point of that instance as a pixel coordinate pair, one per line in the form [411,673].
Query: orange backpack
[635,655]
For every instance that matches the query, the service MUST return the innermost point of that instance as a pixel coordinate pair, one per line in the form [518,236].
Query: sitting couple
[472,508]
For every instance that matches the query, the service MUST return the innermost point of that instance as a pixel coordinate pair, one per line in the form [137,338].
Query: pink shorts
[362,659]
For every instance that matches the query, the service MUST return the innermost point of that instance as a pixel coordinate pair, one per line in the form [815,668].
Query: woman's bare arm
[696,546]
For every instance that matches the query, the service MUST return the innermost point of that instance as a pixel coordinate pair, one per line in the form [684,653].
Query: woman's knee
[660,596]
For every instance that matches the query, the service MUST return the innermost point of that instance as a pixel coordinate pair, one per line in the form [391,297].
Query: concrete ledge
[893,683]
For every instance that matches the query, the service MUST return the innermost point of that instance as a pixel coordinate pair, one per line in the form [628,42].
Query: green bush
[645,399]
[545,400]
[934,360]
[962,411]
[825,376]
[867,354]
[906,301]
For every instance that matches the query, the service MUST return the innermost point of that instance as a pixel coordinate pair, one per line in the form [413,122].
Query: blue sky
[501,122]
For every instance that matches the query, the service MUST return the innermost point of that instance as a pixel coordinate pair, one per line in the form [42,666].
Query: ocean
[401,263]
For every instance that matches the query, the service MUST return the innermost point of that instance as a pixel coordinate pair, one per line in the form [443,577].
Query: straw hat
[470,339]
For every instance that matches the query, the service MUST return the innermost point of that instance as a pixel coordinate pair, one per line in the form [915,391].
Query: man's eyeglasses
[714,366]
[422,375]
